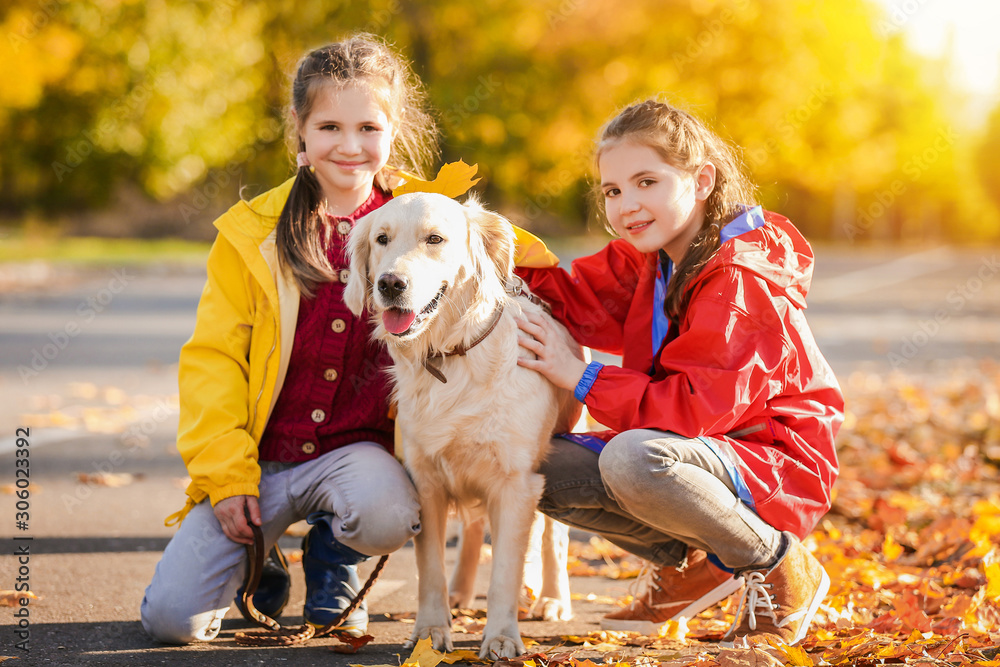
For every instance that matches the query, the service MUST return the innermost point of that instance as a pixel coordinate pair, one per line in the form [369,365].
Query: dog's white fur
[545,590]
[477,440]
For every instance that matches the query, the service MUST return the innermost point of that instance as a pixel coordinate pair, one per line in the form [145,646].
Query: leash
[276,635]
[520,289]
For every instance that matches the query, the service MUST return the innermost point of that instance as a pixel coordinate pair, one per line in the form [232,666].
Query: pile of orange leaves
[912,543]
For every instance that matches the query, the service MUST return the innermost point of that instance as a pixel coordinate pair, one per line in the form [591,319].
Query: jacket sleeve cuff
[231,490]
[587,381]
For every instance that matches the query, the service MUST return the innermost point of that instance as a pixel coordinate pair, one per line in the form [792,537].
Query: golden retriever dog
[545,590]
[436,276]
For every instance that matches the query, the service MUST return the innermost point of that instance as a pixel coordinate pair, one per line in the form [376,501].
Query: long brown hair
[364,60]
[684,142]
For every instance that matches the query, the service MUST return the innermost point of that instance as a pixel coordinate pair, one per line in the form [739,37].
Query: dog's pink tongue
[397,321]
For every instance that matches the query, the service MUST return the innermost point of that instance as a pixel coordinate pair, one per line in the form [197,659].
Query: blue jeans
[654,494]
[375,510]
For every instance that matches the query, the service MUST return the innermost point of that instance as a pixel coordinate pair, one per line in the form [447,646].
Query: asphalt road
[88,364]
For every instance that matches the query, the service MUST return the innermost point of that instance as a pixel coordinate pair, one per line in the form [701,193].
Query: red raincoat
[742,366]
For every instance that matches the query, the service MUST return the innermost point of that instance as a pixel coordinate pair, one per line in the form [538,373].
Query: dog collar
[435,360]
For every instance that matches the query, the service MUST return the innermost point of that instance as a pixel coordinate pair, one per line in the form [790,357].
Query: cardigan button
[330,374]
[308,448]
[318,416]
[344,275]
[338,325]
[344,228]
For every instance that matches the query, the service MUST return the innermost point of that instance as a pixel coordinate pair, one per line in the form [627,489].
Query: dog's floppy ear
[357,294]
[497,237]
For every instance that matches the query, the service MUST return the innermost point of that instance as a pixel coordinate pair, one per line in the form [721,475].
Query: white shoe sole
[651,629]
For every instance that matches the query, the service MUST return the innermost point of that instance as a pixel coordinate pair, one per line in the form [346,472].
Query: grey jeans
[375,510]
[654,494]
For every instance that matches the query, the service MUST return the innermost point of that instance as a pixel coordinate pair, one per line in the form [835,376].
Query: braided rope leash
[276,635]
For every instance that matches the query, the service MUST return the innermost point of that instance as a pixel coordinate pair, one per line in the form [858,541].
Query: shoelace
[756,599]
[645,584]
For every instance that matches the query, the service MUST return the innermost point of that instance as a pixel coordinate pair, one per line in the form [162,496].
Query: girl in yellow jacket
[284,402]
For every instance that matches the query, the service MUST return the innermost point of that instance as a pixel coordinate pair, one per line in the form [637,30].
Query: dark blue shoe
[332,580]
[274,588]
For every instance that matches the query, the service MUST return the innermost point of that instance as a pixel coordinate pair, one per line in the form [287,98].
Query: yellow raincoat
[232,367]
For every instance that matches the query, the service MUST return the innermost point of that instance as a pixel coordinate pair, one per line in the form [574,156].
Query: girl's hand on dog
[230,513]
[554,358]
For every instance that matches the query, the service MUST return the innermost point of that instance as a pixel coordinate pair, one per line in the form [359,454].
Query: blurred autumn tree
[988,158]
[843,127]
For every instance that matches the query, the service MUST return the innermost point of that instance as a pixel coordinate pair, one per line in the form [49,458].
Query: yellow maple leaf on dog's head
[452,180]
[455,179]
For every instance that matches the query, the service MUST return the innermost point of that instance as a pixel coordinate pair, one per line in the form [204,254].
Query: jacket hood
[776,251]
[256,218]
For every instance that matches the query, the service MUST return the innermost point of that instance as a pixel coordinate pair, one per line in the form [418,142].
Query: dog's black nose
[391,286]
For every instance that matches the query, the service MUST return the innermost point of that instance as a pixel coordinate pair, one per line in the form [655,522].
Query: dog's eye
[382,239]
[434,239]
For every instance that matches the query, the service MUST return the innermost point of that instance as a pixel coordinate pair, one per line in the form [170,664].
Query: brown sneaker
[781,602]
[668,593]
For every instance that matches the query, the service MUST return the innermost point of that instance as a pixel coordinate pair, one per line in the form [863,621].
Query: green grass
[45,245]
[15,247]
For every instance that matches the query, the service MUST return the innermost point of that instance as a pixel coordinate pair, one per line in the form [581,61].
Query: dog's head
[413,251]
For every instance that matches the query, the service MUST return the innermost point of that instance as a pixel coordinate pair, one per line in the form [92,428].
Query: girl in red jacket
[723,413]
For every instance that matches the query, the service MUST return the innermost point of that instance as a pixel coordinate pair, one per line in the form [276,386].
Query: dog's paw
[498,647]
[440,638]
[555,610]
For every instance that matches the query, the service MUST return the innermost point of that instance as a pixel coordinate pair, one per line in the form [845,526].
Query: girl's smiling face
[348,138]
[650,203]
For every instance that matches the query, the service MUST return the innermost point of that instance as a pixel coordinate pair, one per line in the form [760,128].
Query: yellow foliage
[993,581]
[424,655]
[675,630]
[13,598]
[890,549]
[796,656]
[463,655]
[32,59]
[173,93]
